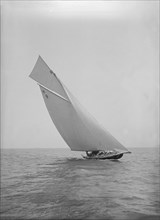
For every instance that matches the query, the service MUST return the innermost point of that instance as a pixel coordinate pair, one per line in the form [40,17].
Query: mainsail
[77,127]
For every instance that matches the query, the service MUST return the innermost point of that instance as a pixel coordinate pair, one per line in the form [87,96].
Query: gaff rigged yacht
[77,127]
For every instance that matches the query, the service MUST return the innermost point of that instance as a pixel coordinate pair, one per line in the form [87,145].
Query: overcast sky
[106,53]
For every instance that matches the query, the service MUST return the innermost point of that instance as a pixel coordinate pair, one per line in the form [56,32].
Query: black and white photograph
[80,110]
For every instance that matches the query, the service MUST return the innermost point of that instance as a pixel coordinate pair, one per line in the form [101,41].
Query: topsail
[77,127]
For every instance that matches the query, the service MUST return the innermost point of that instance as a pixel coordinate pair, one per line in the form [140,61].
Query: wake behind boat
[77,127]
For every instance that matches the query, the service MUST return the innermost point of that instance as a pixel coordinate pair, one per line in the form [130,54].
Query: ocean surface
[60,184]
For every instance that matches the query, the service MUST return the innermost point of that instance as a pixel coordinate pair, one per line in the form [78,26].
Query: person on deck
[95,152]
[89,153]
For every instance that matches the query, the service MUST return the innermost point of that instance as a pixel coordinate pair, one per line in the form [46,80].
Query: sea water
[60,184]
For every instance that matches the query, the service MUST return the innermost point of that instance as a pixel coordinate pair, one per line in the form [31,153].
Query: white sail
[77,127]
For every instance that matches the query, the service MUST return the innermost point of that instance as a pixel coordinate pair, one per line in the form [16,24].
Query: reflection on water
[61,184]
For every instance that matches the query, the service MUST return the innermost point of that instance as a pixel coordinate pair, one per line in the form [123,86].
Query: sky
[105,52]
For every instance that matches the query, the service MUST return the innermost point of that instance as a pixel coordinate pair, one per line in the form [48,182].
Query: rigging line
[53,92]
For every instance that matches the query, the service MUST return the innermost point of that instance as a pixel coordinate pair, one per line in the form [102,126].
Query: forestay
[77,127]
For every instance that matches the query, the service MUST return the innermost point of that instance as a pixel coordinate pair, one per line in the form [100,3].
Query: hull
[104,157]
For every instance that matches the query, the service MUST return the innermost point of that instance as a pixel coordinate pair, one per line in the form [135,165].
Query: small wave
[132,198]
[75,159]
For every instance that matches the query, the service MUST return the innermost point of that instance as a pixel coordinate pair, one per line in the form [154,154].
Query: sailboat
[77,127]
